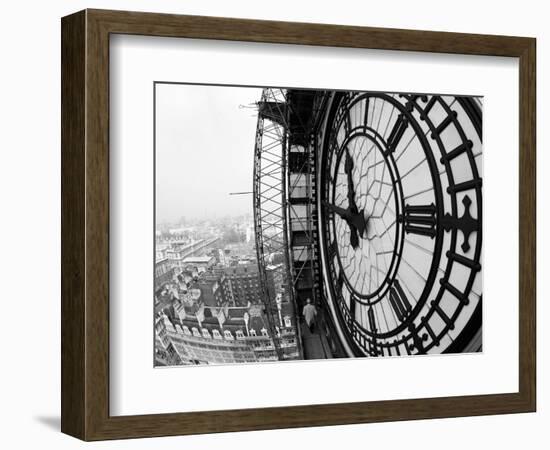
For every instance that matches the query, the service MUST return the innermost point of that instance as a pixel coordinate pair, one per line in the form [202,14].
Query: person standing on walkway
[310,313]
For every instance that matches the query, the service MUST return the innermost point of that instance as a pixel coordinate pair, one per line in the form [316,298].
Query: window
[186,331]
[264,332]
[287,321]
[205,333]
[216,334]
[240,334]
[252,332]
[196,332]
[228,335]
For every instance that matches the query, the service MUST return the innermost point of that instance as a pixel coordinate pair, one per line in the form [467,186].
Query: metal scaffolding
[270,183]
[284,196]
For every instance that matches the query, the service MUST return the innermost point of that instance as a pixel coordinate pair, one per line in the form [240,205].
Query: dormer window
[240,334]
[186,331]
[252,332]
[228,335]
[196,332]
[216,334]
[205,333]
[264,332]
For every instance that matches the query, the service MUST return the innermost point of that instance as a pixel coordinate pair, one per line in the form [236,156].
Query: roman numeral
[332,249]
[399,301]
[347,121]
[419,219]
[352,309]
[366,117]
[372,320]
[340,281]
[397,132]
[396,346]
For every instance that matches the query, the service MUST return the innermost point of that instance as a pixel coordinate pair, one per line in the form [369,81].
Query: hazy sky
[204,150]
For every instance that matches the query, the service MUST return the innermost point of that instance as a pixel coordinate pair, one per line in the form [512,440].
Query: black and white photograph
[300,224]
[255,225]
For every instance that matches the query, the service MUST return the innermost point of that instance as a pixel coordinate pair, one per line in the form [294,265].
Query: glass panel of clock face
[305,224]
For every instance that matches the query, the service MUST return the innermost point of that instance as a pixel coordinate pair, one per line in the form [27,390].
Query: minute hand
[353,219]
[348,167]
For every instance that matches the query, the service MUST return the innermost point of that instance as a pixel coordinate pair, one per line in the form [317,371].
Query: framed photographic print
[344,213]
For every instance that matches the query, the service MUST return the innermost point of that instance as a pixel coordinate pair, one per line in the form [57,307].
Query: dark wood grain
[85,224]
[73,227]
[151,24]
[527,224]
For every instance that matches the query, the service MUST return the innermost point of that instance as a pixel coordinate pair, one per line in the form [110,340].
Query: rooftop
[198,259]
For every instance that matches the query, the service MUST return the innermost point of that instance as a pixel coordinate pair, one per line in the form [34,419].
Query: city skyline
[185,219]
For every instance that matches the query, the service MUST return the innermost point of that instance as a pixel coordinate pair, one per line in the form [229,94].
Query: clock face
[400,221]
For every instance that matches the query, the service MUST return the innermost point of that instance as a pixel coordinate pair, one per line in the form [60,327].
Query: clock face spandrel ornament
[400,208]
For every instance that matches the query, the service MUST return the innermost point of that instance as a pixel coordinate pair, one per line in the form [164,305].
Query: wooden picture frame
[85,224]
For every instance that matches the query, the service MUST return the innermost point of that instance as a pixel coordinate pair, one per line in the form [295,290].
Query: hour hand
[345,214]
[355,220]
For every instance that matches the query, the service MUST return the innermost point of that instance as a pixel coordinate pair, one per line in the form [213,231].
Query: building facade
[164,273]
[196,334]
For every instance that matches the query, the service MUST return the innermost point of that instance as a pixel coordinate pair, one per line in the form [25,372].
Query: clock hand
[345,214]
[358,216]
[353,238]
[348,167]
[360,222]
[355,220]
